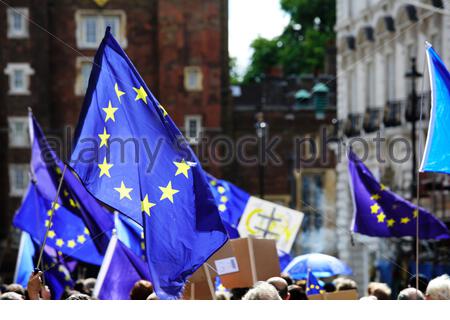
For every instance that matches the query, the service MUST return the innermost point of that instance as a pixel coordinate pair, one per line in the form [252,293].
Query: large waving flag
[436,157]
[379,212]
[47,169]
[119,272]
[131,156]
[68,233]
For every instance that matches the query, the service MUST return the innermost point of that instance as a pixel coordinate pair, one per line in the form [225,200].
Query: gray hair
[11,296]
[439,288]
[262,291]
[410,294]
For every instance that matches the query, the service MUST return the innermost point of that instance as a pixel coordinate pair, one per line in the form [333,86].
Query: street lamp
[261,134]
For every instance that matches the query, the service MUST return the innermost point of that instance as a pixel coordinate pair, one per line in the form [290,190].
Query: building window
[91,26]
[390,77]
[83,67]
[18,179]
[18,132]
[17,23]
[352,92]
[193,128]
[313,200]
[19,78]
[193,79]
[370,84]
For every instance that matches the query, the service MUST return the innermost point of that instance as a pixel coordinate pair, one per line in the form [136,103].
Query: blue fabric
[284,258]
[25,264]
[321,265]
[157,181]
[379,212]
[312,285]
[67,234]
[130,234]
[124,269]
[231,202]
[436,157]
[46,169]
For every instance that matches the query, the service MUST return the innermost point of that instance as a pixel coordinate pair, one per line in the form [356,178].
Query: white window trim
[198,119]
[81,44]
[78,89]
[199,84]
[25,121]
[28,71]
[11,33]
[13,190]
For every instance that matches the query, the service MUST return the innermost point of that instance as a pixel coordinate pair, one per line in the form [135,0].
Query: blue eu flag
[46,170]
[312,285]
[436,156]
[68,234]
[231,202]
[130,234]
[131,156]
[379,212]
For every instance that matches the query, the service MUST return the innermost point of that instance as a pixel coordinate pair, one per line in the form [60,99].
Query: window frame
[12,33]
[199,83]
[199,128]
[27,72]
[14,191]
[79,79]
[12,143]
[100,15]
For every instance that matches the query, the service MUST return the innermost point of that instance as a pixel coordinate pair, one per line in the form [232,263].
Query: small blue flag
[119,272]
[284,259]
[131,156]
[312,285]
[46,170]
[68,234]
[24,264]
[379,212]
[231,202]
[436,157]
[130,234]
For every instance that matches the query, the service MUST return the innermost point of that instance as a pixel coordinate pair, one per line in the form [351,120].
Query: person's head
[343,284]
[438,288]
[15,287]
[288,279]
[153,296]
[68,292]
[379,290]
[11,296]
[141,290]
[281,285]
[410,294]
[238,293]
[89,285]
[79,296]
[296,293]
[262,291]
[329,287]
[222,295]
[423,282]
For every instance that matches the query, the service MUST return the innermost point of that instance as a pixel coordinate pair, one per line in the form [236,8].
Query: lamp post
[413,74]
[261,134]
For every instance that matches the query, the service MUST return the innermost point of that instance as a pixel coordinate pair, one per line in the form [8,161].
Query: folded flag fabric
[130,234]
[25,263]
[67,233]
[378,212]
[436,157]
[157,180]
[231,202]
[119,272]
[312,285]
[46,169]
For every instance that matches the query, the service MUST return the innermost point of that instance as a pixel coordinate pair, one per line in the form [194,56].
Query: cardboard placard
[257,260]
[338,295]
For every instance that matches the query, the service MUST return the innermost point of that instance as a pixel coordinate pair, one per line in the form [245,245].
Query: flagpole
[52,210]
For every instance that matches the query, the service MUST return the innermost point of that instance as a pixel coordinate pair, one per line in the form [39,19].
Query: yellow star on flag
[168,192]
[104,138]
[118,92]
[416,213]
[146,205]
[222,207]
[71,244]
[182,168]
[223,199]
[375,197]
[124,191]
[381,217]
[86,231]
[110,110]
[143,245]
[59,242]
[56,207]
[383,187]
[47,223]
[213,183]
[404,220]
[81,239]
[140,94]
[51,234]
[104,168]
[72,203]
[374,208]
[390,223]
[163,110]
[221,189]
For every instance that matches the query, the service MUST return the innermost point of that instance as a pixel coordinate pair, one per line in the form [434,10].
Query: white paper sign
[227,265]
[269,220]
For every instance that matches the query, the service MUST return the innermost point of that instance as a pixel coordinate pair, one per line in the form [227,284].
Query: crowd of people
[275,288]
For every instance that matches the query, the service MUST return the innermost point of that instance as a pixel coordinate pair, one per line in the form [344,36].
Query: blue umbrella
[321,266]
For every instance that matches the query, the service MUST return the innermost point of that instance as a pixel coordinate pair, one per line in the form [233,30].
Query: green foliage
[301,48]
[234,74]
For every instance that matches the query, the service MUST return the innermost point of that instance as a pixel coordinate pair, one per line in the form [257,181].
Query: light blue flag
[24,265]
[436,157]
